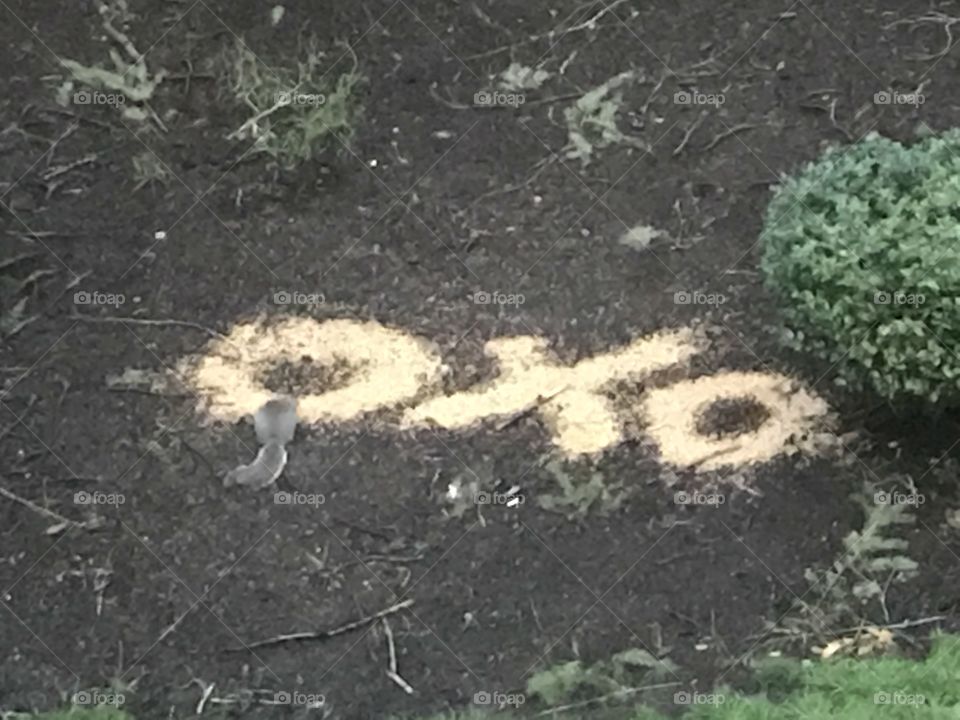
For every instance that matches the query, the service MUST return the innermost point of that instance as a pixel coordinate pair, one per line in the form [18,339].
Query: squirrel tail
[263,471]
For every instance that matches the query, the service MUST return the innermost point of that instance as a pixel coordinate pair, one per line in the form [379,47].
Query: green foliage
[562,683]
[580,491]
[129,77]
[296,115]
[869,557]
[872,560]
[592,120]
[893,688]
[861,248]
[102,712]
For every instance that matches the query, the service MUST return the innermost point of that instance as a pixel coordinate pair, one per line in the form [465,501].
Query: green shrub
[862,249]
[295,115]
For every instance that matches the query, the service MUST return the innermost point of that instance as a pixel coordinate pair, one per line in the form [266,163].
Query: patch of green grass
[592,120]
[579,491]
[129,80]
[296,115]
[149,169]
[102,712]
[845,689]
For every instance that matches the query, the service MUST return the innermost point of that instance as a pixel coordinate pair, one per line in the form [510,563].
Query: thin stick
[604,698]
[540,166]
[40,510]
[207,692]
[656,88]
[43,234]
[383,558]
[326,634]
[586,25]
[150,321]
[901,625]
[392,672]
[689,133]
[63,169]
[727,133]
[531,408]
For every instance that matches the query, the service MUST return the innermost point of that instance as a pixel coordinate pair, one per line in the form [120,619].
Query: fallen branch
[616,695]
[936,18]
[727,133]
[590,24]
[49,514]
[392,672]
[150,321]
[689,133]
[59,170]
[325,634]
[531,408]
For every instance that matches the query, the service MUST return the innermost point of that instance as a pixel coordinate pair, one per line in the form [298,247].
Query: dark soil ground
[404,229]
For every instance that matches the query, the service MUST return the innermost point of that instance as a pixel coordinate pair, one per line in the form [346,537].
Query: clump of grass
[296,115]
[850,689]
[149,169]
[579,491]
[592,120]
[100,712]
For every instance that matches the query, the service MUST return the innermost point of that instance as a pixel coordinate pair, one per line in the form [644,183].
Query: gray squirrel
[275,424]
